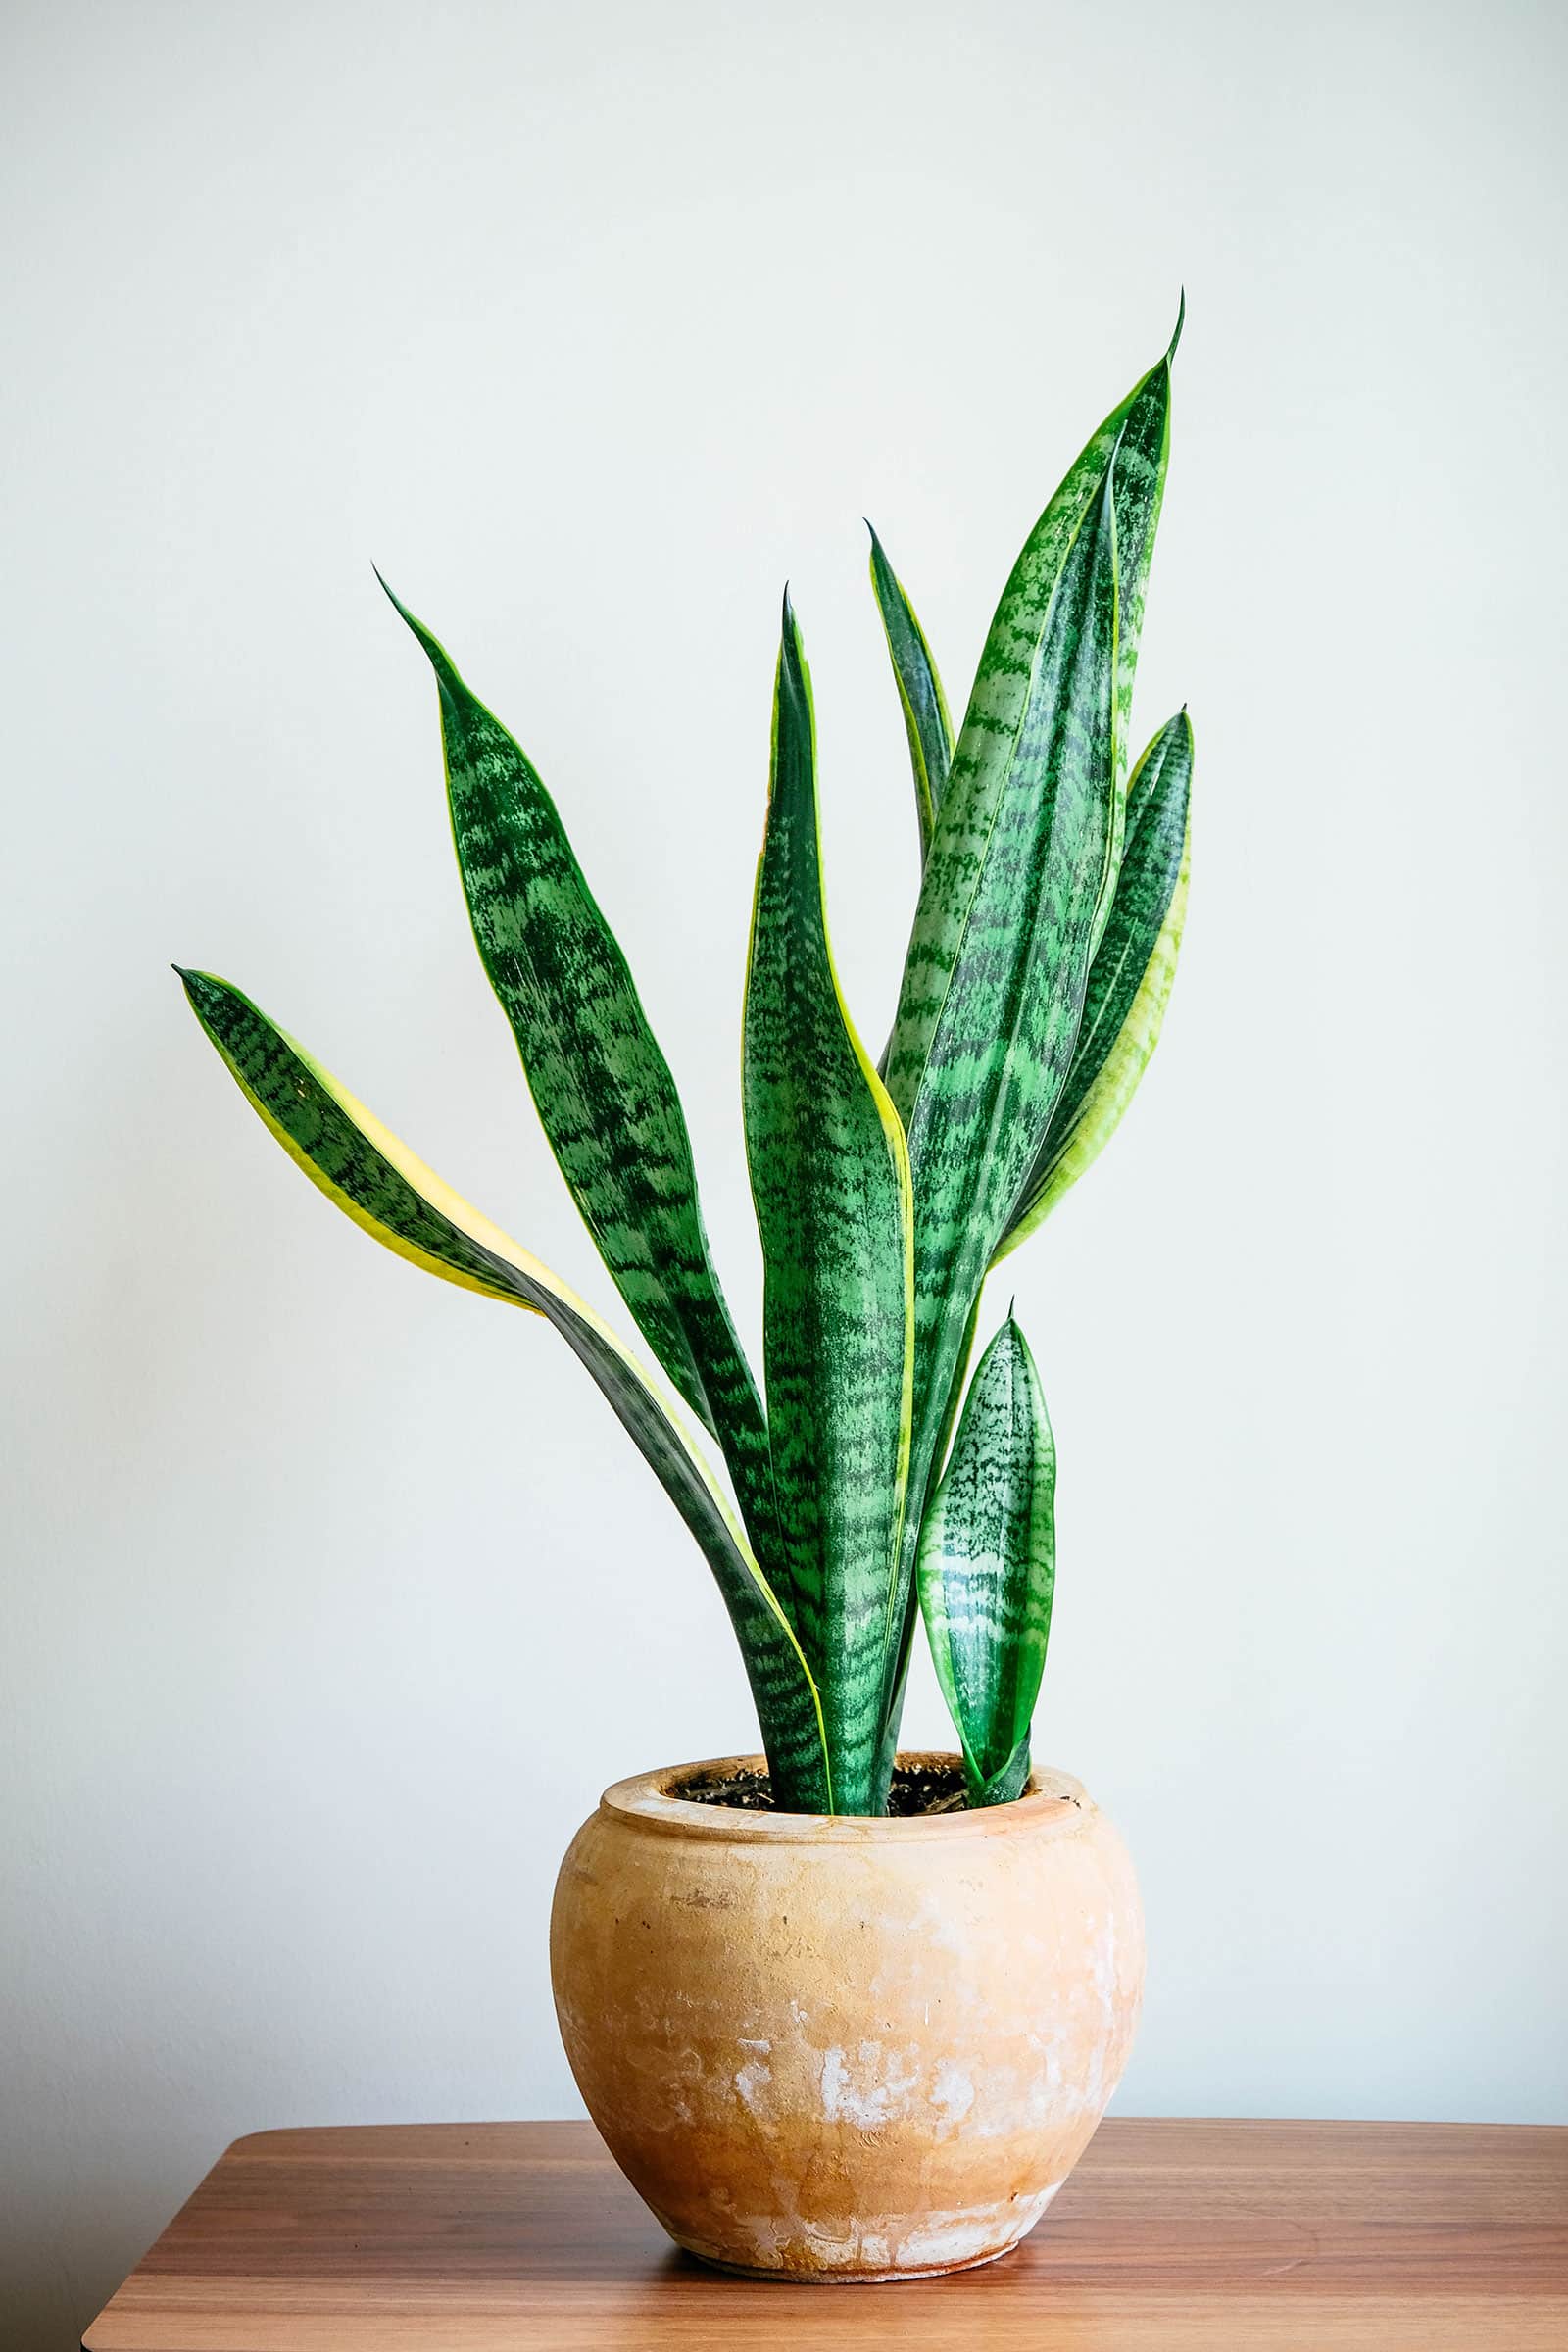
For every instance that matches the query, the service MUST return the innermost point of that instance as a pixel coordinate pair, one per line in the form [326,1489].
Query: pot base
[938,2270]
[967,2226]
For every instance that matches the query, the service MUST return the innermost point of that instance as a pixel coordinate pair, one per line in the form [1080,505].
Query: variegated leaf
[380,1184]
[994,794]
[1142,456]
[988,1564]
[906,1601]
[925,705]
[1002,694]
[1131,978]
[831,1184]
[603,1088]
[1003,1046]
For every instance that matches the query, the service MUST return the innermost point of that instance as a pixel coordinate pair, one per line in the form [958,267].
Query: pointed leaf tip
[792,646]
[396,601]
[1181,321]
[440,659]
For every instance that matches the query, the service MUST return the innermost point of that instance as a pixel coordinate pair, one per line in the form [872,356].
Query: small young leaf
[988,1564]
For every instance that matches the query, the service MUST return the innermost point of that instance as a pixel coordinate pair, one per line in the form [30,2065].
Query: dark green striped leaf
[831,1184]
[1130,980]
[1003,691]
[976,1093]
[987,1566]
[925,705]
[1003,1042]
[380,1184]
[906,1601]
[603,1088]
[1142,456]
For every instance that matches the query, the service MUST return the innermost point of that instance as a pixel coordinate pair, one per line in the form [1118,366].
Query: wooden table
[1181,2236]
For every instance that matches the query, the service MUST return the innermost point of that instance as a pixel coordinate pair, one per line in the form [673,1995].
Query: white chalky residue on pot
[864,2091]
[932,1921]
[752,2082]
[951,2090]
[1094,2096]
[1106,1970]
[857,2248]
[1050,2095]
[949,2239]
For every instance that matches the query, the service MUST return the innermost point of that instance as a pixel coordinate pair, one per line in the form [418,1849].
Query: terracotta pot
[845,2049]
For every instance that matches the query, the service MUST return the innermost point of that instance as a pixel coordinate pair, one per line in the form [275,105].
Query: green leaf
[988,1565]
[1130,981]
[831,1185]
[1012,901]
[925,708]
[1142,456]
[603,1088]
[1003,1044]
[1004,692]
[375,1179]
[906,1604]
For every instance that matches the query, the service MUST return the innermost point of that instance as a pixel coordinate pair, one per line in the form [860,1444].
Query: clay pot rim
[1052,1801]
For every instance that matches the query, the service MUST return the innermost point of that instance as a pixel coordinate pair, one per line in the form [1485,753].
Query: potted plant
[840,2014]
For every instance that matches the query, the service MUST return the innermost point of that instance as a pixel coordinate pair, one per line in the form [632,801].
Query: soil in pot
[929,1786]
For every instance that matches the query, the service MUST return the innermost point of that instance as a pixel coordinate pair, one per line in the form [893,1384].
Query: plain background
[335,1596]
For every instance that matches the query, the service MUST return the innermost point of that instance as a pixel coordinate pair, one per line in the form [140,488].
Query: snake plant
[864,1479]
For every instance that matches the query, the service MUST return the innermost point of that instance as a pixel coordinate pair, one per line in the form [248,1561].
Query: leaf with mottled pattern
[981,912]
[1003,1043]
[987,1566]
[1004,690]
[1143,455]
[906,1608]
[603,1088]
[831,1185]
[373,1177]
[1130,980]
[925,705]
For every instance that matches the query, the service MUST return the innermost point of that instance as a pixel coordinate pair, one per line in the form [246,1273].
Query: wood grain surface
[1169,2237]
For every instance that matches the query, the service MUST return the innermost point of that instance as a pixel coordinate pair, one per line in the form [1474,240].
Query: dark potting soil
[917,1788]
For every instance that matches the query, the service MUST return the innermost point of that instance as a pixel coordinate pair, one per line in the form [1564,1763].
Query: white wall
[335,1596]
